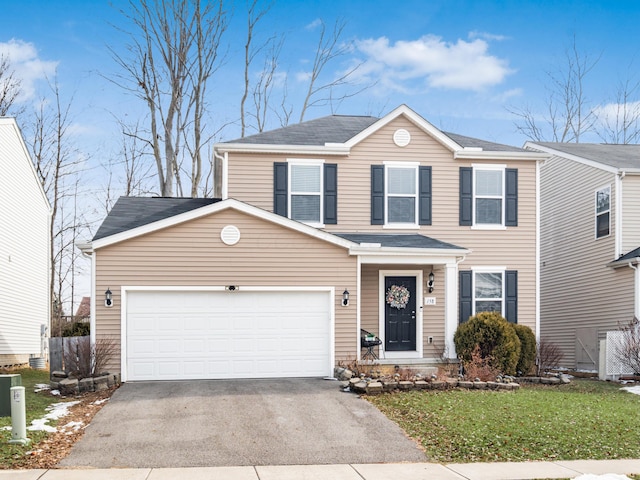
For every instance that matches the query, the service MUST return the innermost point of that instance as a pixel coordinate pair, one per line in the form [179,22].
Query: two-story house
[323,229]
[590,239]
[24,251]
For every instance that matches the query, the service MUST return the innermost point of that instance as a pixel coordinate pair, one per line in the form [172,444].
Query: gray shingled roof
[330,129]
[133,212]
[613,155]
[342,128]
[398,240]
[485,145]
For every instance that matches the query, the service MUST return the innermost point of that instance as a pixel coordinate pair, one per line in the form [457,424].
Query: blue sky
[458,63]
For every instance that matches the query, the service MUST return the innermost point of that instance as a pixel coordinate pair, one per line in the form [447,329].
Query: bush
[548,356]
[495,337]
[76,329]
[527,360]
[479,368]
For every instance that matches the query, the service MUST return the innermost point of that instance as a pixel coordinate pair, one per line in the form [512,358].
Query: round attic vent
[401,137]
[230,235]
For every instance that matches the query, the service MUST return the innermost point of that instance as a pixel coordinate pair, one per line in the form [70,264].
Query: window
[306,190]
[488,292]
[603,212]
[488,189]
[488,289]
[400,195]
[488,196]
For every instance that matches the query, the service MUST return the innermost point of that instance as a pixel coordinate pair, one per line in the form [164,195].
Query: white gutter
[636,289]
[618,215]
[494,155]
[327,149]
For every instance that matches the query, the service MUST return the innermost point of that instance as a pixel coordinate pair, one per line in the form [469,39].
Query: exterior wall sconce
[345,298]
[430,282]
[108,299]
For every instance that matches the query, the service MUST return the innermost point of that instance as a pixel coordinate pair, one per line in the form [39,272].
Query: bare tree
[10,86]
[619,121]
[330,47]
[254,15]
[172,55]
[263,89]
[58,164]
[567,114]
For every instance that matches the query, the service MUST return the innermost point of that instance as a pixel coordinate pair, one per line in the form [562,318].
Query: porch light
[108,301]
[345,298]
[430,282]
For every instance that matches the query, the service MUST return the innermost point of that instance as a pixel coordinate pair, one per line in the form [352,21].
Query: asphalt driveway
[239,422]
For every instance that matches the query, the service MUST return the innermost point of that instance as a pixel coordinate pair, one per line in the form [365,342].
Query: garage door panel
[191,335]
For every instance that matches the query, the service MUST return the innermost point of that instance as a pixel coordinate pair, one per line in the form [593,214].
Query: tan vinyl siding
[192,254]
[578,290]
[512,248]
[630,213]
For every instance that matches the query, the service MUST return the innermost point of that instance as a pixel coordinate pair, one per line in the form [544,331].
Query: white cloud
[23,57]
[617,113]
[486,36]
[461,65]
[313,25]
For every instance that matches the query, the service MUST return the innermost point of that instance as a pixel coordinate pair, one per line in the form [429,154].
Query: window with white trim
[488,292]
[305,192]
[603,212]
[401,194]
[488,196]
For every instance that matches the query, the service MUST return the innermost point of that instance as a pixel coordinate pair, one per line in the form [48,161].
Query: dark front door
[400,314]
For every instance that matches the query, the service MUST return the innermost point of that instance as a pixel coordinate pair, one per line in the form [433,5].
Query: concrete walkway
[385,471]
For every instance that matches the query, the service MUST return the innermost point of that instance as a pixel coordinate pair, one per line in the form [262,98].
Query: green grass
[35,405]
[583,420]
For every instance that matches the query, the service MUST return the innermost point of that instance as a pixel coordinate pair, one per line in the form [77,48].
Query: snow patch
[635,389]
[56,411]
[606,476]
[100,402]
[41,387]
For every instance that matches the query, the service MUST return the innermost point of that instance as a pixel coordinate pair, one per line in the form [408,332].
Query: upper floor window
[603,212]
[400,195]
[488,196]
[306,191]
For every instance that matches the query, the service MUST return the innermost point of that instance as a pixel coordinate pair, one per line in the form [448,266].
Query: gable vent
[230,235]
[401,137]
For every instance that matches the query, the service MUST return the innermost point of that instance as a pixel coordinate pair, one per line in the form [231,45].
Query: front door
[400,314]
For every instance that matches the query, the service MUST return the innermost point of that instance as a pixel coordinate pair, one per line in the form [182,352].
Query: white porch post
[451,307]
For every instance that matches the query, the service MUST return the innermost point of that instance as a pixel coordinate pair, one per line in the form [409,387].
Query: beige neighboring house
[590,245]
[24,251]
[324,229]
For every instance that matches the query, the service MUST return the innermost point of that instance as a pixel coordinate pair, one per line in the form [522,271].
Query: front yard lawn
[586,419]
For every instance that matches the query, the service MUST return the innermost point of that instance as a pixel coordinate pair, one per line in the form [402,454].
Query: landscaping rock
[438,385]
[374,388]
[389,386]
[58,375]
[405,385]
[479,385]
[452,383]
[101,383]
[85,385]
[422,385]
[465,384]
[54,385]
[493,385]
[69,386]
[565,379]
[342,373]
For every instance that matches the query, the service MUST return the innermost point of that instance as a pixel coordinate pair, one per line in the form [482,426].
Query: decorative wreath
[398,296]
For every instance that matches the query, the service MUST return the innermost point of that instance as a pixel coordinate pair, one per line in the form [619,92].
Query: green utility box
[6,382]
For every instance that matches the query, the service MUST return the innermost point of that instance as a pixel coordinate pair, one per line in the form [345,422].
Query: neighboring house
[590,245]
[24,251]
[83,313]
[324,228]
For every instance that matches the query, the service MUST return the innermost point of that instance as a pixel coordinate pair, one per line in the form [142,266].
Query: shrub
[527,360]
[76,329]
[548,356]
[479,368]
[495,337]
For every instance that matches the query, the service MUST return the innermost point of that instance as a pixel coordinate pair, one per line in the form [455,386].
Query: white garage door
[243,334]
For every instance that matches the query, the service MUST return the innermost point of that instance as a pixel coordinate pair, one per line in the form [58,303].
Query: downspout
[220,190]
[636,287]
[618,216]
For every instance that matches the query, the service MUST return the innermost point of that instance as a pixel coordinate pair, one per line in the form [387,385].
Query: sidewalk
[387,471]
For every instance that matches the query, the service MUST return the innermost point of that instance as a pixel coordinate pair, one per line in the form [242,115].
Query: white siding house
[24,250]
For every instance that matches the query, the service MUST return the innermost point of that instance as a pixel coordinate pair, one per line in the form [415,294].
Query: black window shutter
[280,191]
[466,196]
[377,194]
[466,295]
[425,195]
[511,296]
[511,197]
[331,193]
